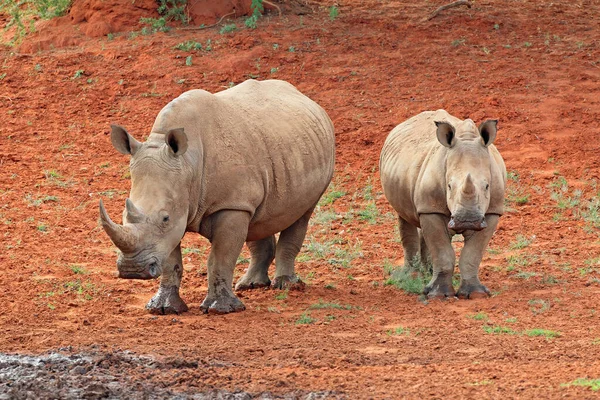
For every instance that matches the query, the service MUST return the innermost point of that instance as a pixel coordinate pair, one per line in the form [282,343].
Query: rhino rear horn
[488,130]
[123,237]
[134,214]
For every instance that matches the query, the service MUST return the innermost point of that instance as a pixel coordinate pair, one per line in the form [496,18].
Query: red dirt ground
[533,65]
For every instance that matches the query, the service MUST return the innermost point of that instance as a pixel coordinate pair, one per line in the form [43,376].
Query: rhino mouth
[150,271]
[459,225]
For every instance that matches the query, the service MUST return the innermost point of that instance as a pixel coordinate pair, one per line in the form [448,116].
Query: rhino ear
[177,141]
[445,133]
[488,130]
[123,141]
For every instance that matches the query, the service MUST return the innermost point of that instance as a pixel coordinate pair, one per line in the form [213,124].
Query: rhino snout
[461,224]
[150,271]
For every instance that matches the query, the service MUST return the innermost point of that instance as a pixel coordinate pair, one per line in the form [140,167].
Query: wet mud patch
[112,375]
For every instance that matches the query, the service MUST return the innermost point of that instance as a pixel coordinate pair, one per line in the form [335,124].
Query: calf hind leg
[288,247]
[167,299]
[262,254]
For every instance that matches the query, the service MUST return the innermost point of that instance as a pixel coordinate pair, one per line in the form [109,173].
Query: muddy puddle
[114,375]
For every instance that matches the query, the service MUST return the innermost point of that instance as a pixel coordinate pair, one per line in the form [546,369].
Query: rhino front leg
[167,299]
[262,254]
[288,247]
[229,231]
[438,241]
[475,244]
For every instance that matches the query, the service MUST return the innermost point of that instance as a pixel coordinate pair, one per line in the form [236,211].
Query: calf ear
[488,130]
[177,141]
[123,141]
[445,133]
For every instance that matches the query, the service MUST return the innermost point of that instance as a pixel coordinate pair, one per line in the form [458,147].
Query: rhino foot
[249,283]
[167,301]
[472,291]
[288,282]
[222,305]
[439,290]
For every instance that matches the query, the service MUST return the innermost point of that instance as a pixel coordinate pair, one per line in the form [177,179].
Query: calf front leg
[439,243]
[229,231]
[167,299]
[475,244]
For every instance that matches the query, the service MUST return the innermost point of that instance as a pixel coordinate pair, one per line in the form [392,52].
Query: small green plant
[480,316]
[305,319]
[542,332]
[527,44]
[189,45]
[458,42]
[78,270]
[525,275]
[330,286]
[539,306]
[369,213]
[242,260]
[282,296]
[593,384]
[398,331]
[331,195]
[78,74]
[498,330]
[42,227]
[228,28]
[412,279]
[257,9]
[334,12]
[188,61]
[521,242]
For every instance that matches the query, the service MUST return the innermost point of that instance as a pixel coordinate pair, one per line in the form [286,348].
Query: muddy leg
[439,243]
[410,243]
[288,247]
[262,254]
[229,231]
[167,300]
[470,258]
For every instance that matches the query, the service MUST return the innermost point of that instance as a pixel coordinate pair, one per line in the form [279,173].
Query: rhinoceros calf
[445,176]
[236,166]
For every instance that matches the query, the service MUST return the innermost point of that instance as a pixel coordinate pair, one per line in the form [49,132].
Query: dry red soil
[534,65]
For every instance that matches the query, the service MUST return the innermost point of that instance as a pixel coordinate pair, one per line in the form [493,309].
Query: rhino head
[155,215]
[468,172]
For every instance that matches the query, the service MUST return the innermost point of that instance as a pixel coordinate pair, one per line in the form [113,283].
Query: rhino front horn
[123,237]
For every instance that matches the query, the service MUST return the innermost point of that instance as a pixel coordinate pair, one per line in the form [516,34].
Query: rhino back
[265,148]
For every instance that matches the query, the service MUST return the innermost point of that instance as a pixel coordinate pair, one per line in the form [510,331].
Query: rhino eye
[166,218]
[487,186]
[449,187]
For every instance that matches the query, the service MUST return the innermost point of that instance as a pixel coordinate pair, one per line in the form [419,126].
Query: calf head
[468,172]
[155,215]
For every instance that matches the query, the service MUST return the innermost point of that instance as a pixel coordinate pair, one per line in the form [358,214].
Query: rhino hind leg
[409,236]
[262,255]
[167,299]
[470,258]
[229,231]
[288,247]
[443,258]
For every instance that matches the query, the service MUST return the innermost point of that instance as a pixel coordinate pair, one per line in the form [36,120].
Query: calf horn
[469,187]
[123,237]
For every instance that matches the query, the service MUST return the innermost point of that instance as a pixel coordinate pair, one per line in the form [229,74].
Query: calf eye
[449,187]
[487,186]
[166,218]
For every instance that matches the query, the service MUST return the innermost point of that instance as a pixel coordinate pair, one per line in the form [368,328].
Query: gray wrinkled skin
[237,166]
[445,176]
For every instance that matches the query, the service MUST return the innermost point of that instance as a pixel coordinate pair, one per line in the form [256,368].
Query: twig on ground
[209,26]
[273,5]
[447,6]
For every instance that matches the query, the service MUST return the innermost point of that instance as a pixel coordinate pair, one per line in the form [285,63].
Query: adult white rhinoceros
[236,166]
[444,175]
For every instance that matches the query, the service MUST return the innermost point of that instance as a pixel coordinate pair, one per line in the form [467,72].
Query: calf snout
[150,270]
[461,224]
